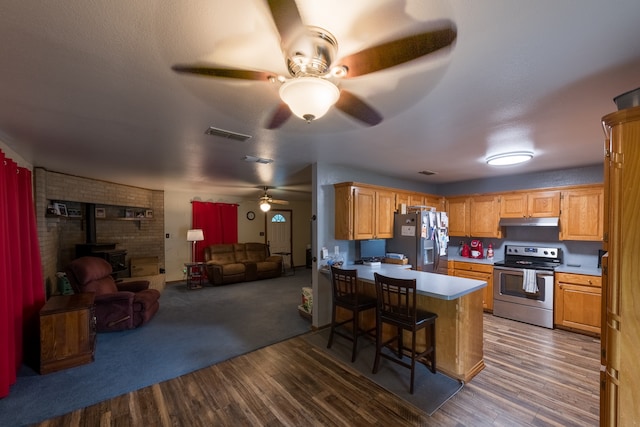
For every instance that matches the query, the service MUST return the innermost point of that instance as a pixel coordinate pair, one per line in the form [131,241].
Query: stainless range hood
[529,222]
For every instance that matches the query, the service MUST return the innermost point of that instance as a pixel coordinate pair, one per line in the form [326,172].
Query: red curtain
[21,283]
[218,222]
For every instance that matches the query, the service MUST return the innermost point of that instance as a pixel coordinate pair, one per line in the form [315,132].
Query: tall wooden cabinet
[363,212]
[620,339]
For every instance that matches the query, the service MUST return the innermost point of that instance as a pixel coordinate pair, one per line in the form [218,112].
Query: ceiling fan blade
[279,202]
[280,116]
[204,70]
[357,108]
[399,51]
[287,18]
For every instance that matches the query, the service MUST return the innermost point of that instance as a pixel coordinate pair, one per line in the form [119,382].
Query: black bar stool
[397,307]
[344,285]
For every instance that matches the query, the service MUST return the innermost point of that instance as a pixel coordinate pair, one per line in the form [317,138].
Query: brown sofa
[240,262]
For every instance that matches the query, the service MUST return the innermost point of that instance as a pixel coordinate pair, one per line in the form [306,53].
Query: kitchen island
[457,302]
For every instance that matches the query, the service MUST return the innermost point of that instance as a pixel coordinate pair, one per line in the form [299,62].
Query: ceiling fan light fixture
[309,97]
[264,206]
[508,159]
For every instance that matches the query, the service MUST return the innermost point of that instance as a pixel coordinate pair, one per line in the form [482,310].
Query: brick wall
[58,235]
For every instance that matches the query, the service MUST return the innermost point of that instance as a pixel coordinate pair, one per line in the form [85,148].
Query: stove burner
[531,257]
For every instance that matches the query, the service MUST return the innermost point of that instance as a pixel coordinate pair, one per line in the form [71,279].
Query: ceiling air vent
[426,172]
[227,134]
[253,159]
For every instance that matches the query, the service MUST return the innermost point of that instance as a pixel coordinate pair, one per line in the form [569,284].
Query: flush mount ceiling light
[309,97]
[507,159]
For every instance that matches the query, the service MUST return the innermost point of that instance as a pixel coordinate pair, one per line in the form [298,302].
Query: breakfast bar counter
[457,302]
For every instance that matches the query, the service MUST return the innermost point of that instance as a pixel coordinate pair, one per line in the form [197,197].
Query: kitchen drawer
[579,279]
[472,266]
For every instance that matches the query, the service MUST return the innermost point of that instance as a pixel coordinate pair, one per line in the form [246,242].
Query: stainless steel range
[523,284]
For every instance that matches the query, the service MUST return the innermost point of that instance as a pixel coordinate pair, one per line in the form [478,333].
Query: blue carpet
[193,329]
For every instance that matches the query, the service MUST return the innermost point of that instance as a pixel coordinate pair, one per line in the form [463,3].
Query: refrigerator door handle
[436,251]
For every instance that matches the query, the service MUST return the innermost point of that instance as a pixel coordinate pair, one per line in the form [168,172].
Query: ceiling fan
[265,201]
[315,71]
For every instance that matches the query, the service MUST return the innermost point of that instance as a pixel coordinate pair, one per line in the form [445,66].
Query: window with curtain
[218,222]
[21,282]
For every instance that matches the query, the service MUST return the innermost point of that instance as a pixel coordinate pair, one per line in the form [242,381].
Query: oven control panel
[533,251]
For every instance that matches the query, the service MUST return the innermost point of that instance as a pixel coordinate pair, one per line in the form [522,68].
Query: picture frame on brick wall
[128,213]
[60,209]
[101,213]
[148,213]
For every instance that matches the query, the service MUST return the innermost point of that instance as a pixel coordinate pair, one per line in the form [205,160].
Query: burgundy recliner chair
[118,306]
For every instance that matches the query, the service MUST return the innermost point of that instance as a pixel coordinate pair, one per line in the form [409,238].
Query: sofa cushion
[235,268]
[267,266]
[222,254]
[256,252]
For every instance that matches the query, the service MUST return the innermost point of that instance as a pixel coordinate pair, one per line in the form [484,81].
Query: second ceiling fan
[315,71]
[266,201]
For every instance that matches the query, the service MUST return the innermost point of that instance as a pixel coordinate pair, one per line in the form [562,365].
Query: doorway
[280,234]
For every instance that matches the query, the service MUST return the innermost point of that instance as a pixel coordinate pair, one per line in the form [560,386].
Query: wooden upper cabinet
[385,204]
[484,216]
[401,198]
[537,204]
[363,212]
[435,202]
[582,214]
[458,212]
[416,199]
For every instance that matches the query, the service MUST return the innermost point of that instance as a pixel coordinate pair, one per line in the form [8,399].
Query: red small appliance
[476,249]
[465,251]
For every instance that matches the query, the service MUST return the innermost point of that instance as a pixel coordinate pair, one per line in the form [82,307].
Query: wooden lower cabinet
[67,332]
[477,271]
[578,302]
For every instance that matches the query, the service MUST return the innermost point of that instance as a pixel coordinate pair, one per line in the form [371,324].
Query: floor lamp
[194,236]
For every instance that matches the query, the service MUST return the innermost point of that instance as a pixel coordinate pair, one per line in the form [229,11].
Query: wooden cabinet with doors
[485,216]
[620,337]
[535,204]
[363,212]
[578,302]
[474,216]
[67,332]
[419,199]
[582,214]
[477,271]
[458,212]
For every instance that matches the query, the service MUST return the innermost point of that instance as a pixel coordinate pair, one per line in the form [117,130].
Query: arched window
[278,218]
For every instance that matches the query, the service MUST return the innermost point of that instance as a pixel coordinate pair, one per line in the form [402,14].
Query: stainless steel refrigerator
[423,237]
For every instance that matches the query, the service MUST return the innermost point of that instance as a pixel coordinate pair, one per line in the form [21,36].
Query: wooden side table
[195,274]
[67,332]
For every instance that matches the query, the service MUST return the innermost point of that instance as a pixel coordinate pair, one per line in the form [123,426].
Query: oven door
[508,286]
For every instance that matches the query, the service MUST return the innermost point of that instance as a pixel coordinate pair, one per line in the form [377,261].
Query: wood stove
[107,251]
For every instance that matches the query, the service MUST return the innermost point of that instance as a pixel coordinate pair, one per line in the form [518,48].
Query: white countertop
[429,284]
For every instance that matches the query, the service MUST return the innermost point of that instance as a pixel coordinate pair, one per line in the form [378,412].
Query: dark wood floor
[533,377]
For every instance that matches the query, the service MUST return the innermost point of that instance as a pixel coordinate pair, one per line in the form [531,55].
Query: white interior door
[279,233]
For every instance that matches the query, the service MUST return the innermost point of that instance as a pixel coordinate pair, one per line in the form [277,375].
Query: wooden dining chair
[344,285]
[396,306]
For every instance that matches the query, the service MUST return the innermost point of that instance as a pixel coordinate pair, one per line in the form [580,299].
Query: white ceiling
[86,88]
